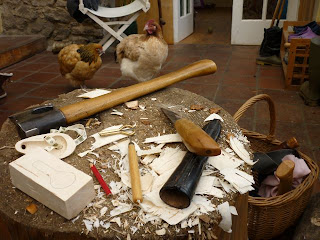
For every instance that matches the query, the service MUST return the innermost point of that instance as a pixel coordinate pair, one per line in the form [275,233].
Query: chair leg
[113,35]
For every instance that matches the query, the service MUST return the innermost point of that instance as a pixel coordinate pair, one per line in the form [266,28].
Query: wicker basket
[269,217]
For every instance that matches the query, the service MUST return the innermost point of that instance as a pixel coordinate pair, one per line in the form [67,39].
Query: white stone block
[56,184]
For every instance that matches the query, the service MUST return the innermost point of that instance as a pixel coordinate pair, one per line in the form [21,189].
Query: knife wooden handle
[86,108]
[134,174]
[195,139]
[285,173]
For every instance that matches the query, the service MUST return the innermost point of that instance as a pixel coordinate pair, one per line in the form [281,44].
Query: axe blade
[38,120]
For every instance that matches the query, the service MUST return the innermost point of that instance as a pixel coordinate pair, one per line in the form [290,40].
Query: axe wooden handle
[86,108]
[285,173]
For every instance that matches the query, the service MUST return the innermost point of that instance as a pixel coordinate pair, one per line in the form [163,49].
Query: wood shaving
[169,159]
[161,232]
[95,93]
[224,160]
[116,220]
[115,112]
[213,116]
[226,222]
[134,105]
[239,149]
[168,138]
[205,186]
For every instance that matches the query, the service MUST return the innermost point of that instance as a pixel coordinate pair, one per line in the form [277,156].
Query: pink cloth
[269,186]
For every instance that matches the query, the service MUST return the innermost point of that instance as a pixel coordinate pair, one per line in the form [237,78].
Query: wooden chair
[116,33]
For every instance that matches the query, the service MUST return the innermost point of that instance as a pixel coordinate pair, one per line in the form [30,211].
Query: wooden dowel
[285,173]
[134,174]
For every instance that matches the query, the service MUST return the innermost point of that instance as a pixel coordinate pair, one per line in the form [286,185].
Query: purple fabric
[269,186]
[307,33]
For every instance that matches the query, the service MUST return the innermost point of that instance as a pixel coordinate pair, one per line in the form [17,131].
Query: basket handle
[251,102]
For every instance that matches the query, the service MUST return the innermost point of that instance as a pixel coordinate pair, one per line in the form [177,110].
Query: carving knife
[195,139]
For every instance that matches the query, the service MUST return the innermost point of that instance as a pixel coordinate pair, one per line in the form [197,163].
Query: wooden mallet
[285,173]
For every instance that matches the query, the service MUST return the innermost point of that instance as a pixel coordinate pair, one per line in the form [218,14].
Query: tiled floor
[238,78]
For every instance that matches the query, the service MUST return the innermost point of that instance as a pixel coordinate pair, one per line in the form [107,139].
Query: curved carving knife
[195,139]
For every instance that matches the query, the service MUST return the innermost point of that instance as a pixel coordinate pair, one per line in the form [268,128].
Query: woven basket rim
[293,194]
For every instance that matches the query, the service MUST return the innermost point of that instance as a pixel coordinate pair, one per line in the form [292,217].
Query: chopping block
[46,225]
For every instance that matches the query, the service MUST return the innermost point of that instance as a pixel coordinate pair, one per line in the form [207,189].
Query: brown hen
[142,56]
[79,63]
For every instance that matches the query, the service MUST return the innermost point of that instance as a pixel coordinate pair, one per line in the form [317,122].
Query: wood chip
[134,105]
[32,208]
[145,121]
[196,107]
[205,218]
[214,110]
[161,232]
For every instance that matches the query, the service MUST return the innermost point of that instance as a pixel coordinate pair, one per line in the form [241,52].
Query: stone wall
[49,18]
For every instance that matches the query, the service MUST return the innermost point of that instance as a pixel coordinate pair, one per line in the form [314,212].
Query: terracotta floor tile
[232,79]
[51,58]
[271,82]
[122,83]
[100,82]
[58,80]
[283,96]
[285,130]
[311,114]
[207,91]
[242,69]
[173,66]
[109,72]
[18,88]
[40,77]
[232,106]
[269,71]
[21,103]
[263,112]
[314,132]
[48,91]
[3,117]
[19,75]
[289,113]
[208,79]
[32,67]
[235,93]
[51,68]
[185,59]
[264,128]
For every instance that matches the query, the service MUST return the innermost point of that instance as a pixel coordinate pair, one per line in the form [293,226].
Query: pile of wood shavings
[150,122]
[155,170]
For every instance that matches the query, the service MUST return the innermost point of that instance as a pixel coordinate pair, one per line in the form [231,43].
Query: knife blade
[195,139]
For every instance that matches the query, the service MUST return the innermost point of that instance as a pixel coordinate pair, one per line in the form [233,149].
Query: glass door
[250,17]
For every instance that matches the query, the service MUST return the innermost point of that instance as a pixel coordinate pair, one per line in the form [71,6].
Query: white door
[246,31]
[182,19]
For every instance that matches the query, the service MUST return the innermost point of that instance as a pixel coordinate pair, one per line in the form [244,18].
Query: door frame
[251,31]
[189,28]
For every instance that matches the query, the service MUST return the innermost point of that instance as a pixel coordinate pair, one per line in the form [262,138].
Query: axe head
[38,120]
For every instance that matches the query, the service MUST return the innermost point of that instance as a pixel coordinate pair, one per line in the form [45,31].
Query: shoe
[271,60]
[312,25]
[3,78]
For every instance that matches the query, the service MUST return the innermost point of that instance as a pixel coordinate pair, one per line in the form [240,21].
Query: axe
[41,119]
